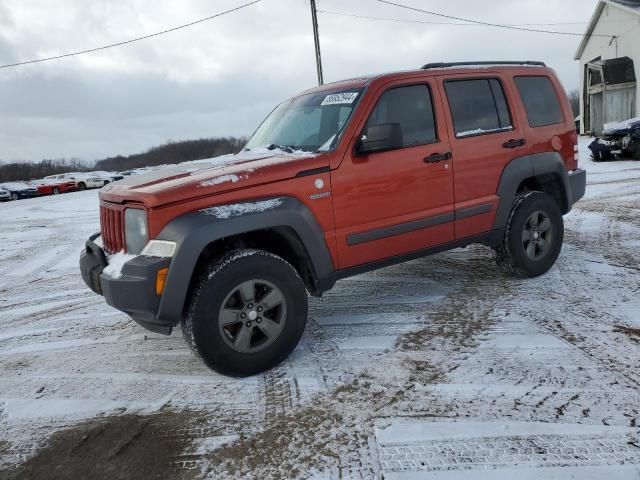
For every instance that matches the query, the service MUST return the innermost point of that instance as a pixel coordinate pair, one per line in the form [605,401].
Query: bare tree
[574,100]
[171,152]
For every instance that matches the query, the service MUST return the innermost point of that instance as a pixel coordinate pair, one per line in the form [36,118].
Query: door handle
[437,157]
[514,143]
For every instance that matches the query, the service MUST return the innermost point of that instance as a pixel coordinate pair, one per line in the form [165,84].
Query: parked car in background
[19,190]
[83,181]
[54,187]
[5,195]
[86,180]
[618,139]
[108,177]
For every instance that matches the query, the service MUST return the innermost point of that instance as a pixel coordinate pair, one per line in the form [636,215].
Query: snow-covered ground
[441,368]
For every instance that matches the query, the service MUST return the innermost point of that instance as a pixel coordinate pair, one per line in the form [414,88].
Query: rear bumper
[578,184]
[133,291]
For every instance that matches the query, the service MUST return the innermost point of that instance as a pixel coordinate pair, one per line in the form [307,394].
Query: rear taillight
[576,153]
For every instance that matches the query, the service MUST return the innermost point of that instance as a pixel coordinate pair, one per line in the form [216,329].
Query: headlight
[159,248]
[135,230]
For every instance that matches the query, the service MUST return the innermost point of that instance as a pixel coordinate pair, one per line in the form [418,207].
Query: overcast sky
[222,77]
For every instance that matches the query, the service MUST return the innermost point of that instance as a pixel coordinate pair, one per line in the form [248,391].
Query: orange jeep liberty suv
[341,179]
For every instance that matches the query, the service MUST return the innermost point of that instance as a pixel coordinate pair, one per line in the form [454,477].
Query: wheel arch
[288,230]
[544,171]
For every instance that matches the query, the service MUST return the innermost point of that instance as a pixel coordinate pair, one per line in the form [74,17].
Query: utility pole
[316,38]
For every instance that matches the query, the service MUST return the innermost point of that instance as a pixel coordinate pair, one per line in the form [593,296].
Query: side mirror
[378,138]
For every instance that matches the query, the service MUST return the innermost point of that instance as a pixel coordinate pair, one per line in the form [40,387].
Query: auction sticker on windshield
[345,98]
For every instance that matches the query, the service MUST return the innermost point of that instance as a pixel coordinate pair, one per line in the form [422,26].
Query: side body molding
[525,167]
[194,231]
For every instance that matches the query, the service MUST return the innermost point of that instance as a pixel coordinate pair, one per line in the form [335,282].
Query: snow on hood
[620,127]
[196,167]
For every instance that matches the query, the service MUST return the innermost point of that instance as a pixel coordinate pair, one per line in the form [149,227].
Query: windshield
[312,122]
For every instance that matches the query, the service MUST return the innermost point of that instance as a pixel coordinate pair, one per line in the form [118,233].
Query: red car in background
[54,187]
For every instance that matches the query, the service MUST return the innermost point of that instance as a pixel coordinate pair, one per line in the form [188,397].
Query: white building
[609,56]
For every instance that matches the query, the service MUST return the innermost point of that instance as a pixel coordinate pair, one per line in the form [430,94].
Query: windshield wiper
[284,148]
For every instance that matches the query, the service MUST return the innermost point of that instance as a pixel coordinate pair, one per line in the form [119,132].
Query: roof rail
[429,66]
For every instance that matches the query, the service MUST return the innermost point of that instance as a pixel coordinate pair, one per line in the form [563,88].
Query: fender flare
[525,167]
[193,231]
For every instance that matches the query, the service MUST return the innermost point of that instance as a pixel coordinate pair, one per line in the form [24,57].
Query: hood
[201,178]
[622,127]
[17,187]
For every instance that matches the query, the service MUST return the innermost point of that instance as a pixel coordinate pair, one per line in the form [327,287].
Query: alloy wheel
[252,316]
[537,235]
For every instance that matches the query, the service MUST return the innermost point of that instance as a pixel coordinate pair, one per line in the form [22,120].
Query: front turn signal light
[161,278]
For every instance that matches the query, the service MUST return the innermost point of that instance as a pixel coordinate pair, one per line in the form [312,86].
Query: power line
[479,22]
[104,47]
[406,20]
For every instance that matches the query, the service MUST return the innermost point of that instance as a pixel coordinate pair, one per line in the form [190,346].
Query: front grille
[112,229]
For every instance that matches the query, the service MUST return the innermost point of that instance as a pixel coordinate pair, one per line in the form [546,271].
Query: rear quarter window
[540,100]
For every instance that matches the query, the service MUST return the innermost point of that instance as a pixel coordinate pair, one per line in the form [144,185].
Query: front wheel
[533,237]
[247,313]
[14,196]
[56,191]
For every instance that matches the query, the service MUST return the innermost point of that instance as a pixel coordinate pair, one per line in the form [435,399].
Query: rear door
[485,136]
[397,201]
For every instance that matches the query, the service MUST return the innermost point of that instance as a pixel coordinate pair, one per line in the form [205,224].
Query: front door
[397,201]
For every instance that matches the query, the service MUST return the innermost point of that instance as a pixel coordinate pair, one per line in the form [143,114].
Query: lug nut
[259,320]
[250,305]
[243,315]
[248,324]
[259,309]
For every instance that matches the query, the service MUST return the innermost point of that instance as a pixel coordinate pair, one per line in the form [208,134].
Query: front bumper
[578,184]
[133,292]
[25,194]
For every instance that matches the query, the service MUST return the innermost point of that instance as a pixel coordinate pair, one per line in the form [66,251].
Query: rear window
[540,101]
[477,107]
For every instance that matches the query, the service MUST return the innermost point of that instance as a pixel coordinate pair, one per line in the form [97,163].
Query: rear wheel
[247,313]
[56,191]
[533,238]
[14,196]
[82,186]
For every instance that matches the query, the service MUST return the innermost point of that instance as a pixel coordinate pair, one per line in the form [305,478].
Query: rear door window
[540,101]
[478,107]
[412,108]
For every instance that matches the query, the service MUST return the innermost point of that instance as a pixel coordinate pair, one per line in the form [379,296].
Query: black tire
[82,186]
[15,197]
[218,286]
[533,237]
[56,191]
[635,149]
